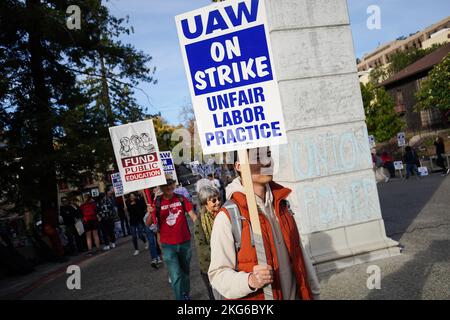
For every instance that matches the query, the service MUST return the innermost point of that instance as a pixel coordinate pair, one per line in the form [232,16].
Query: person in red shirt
[388,163]
[169,214]
[90,221]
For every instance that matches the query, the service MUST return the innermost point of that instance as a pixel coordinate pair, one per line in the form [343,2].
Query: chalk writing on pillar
[342,202]
[325,154]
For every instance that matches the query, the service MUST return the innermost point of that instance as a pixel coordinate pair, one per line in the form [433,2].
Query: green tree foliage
[60,90]
[381,118]
[435,90]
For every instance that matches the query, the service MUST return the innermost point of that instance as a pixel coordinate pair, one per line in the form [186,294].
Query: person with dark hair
[106,218]
[137,208]
[89,212]
[70,213]
[411,160]
[440,153]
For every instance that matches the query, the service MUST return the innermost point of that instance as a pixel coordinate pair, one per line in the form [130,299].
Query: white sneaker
[113,245]
[136,252]
[386,180]
[158,260]
[170,281]
[146,245]
[106,248]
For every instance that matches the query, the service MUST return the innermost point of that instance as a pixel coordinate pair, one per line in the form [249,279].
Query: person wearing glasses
[234,271]
[209,200]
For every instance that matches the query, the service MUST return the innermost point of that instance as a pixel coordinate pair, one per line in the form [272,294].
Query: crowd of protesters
[384,168]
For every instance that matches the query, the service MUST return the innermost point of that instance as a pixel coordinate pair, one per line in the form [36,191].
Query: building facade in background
[435,34]
[404,85]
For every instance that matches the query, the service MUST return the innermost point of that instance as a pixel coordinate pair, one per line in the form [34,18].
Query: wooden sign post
[247,183]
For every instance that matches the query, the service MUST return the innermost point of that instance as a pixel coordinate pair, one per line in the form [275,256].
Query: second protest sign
[229,65]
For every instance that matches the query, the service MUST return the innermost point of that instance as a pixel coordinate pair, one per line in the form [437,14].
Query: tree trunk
[41,113]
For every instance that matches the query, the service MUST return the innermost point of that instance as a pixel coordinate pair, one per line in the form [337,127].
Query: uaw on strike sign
[137,154]
[228,60]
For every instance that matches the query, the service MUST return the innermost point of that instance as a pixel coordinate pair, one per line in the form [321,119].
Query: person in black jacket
[411,160]
[440,152]
[70,213]
[136,210]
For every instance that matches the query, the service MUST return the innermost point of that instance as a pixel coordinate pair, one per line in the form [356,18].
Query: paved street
[416,212]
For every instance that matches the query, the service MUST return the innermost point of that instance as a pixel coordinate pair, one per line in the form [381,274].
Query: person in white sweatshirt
[237,275]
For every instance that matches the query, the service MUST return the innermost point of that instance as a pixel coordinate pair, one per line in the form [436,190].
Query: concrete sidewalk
[417,214]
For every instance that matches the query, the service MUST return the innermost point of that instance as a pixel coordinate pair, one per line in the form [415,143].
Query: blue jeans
[152,243]
[177,258]
[411,169]
[138,230]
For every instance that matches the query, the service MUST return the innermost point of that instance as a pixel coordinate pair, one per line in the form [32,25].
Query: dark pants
[124,223]
[177,258]
[138,230]
[107,228]
[390,167]
[207,285]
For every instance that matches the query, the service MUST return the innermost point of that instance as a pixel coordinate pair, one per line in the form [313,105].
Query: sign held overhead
[229,65]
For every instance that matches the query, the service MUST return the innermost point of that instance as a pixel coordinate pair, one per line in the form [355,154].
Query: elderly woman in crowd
[209,200]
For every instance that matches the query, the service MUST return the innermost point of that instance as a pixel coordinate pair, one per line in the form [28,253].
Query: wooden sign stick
[254,217]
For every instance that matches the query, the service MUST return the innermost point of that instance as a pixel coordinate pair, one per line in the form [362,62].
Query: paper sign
[230,69]
[398,165]
[137,155]
[423,171]
[401,139]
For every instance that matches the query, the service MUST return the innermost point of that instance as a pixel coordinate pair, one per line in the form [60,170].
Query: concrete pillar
[327,161]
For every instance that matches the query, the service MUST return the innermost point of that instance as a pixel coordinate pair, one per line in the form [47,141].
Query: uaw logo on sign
[227,56]
[137,156]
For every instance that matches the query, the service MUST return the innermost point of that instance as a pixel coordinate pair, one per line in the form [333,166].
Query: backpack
[236,229]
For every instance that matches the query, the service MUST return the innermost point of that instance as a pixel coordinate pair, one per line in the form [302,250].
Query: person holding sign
[168,211]
[234,271]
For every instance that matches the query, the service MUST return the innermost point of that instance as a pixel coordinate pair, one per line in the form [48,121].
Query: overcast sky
[155,34]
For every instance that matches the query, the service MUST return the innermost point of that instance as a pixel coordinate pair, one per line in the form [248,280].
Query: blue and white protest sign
[168,165]
[227,55]
[117,184]
[372,142]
